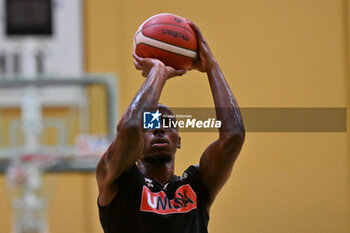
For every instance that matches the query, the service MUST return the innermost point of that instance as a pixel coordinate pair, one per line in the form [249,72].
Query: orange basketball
[169,38]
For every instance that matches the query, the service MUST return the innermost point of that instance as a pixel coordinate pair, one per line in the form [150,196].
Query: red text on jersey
[184,201]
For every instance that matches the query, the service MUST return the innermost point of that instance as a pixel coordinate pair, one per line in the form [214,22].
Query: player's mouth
[159,142]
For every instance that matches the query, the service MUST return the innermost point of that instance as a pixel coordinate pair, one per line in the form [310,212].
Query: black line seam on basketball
[163,50]
[160,41]
[156,24]
[166,42]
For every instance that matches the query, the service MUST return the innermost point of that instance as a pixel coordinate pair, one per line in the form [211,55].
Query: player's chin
[158,158]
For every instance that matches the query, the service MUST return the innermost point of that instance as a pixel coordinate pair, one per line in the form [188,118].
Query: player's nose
[158,131]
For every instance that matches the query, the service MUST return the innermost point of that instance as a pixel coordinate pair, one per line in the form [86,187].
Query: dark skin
[153,151]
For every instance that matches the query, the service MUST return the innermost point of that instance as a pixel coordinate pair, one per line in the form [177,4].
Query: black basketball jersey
[143,205]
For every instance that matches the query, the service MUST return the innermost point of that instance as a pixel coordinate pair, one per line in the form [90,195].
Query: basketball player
[138,191]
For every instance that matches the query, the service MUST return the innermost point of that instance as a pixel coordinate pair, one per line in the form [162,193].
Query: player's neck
[160,172]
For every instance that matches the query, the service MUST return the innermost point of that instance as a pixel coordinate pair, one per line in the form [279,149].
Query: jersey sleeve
[126,183]
[191,175]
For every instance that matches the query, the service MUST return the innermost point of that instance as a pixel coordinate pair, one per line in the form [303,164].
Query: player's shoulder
[192,169]
[128,175]
[192,177]
[192,172]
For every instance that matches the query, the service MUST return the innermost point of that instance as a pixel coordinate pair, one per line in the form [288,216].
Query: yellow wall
[273,54]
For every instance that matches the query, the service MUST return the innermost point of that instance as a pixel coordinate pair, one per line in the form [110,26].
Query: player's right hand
[147,65]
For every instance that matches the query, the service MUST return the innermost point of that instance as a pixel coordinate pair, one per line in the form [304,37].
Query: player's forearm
[147,96]
[127,146]
[227,109]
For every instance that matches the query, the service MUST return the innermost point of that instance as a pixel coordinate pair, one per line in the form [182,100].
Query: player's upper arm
[121,155]
[217,161]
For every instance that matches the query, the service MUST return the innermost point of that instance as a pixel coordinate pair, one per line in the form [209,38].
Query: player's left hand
[205,58]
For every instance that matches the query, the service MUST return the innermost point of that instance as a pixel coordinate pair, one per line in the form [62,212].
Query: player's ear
[179,143]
